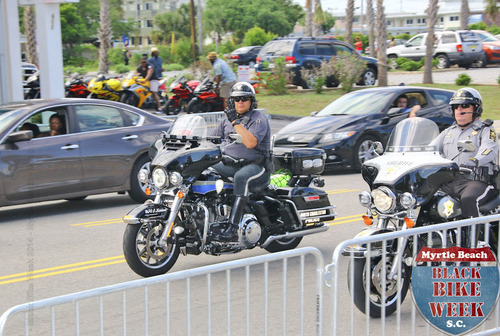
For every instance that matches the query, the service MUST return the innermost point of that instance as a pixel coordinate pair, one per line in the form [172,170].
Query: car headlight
[175,178]
[365,199]
[143,175]
[336,136]
[160,177]
[407,200]
[384,199]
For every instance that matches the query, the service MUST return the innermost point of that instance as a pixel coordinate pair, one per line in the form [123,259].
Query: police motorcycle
[192,203]
[404,183]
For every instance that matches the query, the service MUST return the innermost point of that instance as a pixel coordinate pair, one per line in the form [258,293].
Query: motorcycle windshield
[196,125]
[413,135]
[202,84]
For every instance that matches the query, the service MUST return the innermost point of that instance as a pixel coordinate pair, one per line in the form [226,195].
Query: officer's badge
[493,135]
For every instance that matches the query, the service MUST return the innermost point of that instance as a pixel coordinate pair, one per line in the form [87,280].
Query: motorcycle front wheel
[171,108]
[143,253]
[197,106]
[358,269]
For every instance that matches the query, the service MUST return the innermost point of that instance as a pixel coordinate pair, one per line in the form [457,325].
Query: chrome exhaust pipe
[301,233]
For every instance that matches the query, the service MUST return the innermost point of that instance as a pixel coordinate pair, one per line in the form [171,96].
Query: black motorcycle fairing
[146,210]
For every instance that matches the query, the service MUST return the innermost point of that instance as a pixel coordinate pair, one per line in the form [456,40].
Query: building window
[388,23]
[149,23]
[148,6]
[421,21]
[453,18]
[441,19]
[409,21]
[355,20]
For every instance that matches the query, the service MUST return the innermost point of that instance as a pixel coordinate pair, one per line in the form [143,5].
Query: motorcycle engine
[249,231]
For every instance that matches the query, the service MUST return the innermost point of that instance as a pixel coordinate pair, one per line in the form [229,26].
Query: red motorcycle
[205,98]
[76,87]
[183,92]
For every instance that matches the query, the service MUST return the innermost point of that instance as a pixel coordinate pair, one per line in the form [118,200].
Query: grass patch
[303,103]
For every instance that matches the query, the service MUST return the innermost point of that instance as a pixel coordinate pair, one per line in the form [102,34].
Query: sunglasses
[243,99]
[464,106]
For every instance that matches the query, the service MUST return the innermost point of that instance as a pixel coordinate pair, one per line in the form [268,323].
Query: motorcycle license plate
[314,213]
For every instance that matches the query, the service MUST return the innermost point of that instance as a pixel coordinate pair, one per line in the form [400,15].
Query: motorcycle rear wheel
[142,252]
[197,106]
[283,244]
[130,99]
[358,292]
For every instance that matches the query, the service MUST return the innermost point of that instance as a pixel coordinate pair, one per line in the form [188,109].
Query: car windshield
[8,115]
[242,50]
[413,135]
[487,37]
[357,103]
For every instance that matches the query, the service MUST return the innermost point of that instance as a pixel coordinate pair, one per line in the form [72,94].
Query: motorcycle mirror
[466,146]
[378,147]
[236,137]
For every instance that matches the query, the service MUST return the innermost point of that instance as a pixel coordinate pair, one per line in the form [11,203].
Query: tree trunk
[309,16]
[464,14]
[104,37]
[432,12]
[318,18]
[29,28]
[349,18]
[382,44]
[371,26]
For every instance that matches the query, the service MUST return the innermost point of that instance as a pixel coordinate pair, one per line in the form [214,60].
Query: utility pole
[193,34]
[200,29]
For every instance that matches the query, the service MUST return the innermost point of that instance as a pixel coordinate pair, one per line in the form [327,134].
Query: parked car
[28,69]
[347,127]
[491,48]
[244,55]
[396,43]
[307,53]
[103,146]
[462,47]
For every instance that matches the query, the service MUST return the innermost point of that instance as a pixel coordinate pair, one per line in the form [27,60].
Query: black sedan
[347,127]
[100,148]
[244,55]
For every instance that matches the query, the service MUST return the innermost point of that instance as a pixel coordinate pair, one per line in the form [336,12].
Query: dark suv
[309,52]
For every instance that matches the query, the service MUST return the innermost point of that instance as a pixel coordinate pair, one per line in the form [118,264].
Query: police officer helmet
[468,96]
[244,89]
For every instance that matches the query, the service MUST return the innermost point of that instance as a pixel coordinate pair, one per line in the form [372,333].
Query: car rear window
[242,50]
[468,37]
[448,38]
[278,48]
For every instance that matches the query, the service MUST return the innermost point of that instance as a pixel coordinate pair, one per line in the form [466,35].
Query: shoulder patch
[486,152]
[493,135]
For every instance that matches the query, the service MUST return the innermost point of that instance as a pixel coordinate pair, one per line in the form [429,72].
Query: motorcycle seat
[490,205]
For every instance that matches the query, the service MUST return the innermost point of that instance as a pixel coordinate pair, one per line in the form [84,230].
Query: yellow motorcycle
[102,88]
[136,91]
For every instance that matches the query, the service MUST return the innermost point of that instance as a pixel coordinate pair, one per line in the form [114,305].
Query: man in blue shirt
[224,76]
[156,61]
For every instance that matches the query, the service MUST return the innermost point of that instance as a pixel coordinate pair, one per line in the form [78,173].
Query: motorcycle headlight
[384,199]
[365,199]
[160,177]
[143,175]
[407,200]
[336,136]
[175,178]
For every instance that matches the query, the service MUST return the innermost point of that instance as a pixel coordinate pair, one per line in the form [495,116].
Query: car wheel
[368,78]
[331,81]
[363,150]
[138,189]
[392,62]
[443,62]
[483,61]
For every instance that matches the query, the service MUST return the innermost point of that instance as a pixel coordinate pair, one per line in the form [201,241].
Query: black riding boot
[237,212]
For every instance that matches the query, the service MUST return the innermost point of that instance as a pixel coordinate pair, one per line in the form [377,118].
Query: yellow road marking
[339,191]
[102,222]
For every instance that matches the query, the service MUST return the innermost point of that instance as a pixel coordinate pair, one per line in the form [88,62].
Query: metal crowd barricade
[261,298]
[346,319]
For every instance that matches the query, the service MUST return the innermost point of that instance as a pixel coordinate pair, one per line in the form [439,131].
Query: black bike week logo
[455,289]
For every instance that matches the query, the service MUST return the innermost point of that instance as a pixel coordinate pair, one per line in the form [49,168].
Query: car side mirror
[236,138]
[394,110]
[466,146]
[313,113]
[20,136]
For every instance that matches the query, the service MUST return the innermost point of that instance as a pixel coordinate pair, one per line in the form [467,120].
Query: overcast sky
[393,6]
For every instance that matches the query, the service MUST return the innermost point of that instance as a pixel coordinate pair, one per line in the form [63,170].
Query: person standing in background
[358,45]
[154,83]
[224,76]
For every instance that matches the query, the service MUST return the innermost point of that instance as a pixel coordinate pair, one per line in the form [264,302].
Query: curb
[284,117]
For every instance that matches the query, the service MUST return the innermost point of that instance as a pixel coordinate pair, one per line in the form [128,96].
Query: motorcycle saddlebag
[312,204]
[300,161]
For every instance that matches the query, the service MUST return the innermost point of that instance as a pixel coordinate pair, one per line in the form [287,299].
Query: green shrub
[410,66]
[257,36]
[275,82]
[314,78]
[498,80]
[173,67]
[463,80]
[121,68]
[346,67]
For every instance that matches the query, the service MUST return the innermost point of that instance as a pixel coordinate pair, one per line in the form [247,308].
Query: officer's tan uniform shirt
[484,138]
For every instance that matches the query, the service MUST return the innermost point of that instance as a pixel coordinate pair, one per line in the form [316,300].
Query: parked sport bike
[76,87]
[205,98]
[32,86]
[404,184]
[101,87]
[192,203]
[183,92]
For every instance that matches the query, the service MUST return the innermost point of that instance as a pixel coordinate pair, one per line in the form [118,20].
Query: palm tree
[371,26]
[464,14]
[318,18]
[29,29]
[432,12]
[104,37]
[491,9]
[382,44]
[309,15]
[349,18]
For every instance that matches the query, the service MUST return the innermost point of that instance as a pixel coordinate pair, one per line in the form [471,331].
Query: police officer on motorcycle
[473,189]
[249,162]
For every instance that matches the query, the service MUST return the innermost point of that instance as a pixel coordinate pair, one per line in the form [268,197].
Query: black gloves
[230,111]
